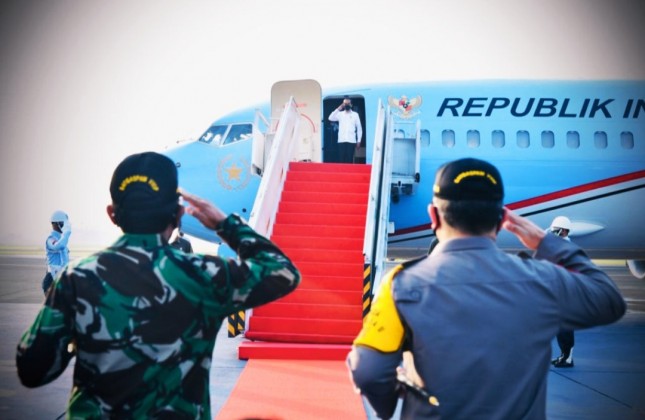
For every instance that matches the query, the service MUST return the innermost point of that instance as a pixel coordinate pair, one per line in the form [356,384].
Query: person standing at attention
[478,321]
[561,226]
[56,247]
[350,131]
[142,317]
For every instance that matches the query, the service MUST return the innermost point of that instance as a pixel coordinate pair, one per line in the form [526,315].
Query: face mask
[348,107]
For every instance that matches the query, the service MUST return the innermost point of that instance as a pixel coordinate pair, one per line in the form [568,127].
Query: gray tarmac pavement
[607,382]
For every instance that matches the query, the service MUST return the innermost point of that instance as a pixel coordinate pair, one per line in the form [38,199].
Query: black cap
[144,192]
[469,179]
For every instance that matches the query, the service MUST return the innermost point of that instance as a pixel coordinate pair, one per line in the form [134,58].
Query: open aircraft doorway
[330,130]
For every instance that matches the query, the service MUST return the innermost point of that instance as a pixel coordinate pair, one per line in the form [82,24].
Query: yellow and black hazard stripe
[367,288]
[236,323]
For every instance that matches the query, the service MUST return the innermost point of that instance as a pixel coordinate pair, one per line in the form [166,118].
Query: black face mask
[348,108]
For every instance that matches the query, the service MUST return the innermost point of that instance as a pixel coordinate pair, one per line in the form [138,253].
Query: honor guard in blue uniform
[56,247]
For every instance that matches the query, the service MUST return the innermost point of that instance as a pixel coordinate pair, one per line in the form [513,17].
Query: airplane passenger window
[448,138]
[627,140]
[425,137]
[573,139]
[214,134]
[472,138]
[548,140]
[497,138]
[600,139]
[523,139]
[238,132]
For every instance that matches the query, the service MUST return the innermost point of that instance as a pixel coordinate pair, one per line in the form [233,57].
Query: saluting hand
[526,231]
[207,213]
[67,227]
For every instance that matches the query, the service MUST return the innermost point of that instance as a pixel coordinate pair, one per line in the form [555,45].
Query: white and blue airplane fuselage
[571,148]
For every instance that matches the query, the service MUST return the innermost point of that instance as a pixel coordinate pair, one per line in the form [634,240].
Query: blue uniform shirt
[479,323]
[57,251]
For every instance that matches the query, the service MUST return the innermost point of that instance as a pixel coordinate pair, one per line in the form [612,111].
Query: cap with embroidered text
[469,179]
[144,180]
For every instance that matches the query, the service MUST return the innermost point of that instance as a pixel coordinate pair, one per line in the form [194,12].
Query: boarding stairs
[320,225]
[331,220]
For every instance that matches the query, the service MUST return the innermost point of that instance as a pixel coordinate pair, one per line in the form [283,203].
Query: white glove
[67,227]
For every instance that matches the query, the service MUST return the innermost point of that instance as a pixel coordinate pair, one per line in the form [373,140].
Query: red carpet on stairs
[320,224]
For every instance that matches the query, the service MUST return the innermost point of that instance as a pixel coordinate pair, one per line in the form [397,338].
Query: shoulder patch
[382,328]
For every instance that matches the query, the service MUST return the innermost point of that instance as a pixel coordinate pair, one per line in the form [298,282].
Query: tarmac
[607,381]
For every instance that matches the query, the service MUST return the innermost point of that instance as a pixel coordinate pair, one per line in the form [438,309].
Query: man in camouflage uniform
[141,317]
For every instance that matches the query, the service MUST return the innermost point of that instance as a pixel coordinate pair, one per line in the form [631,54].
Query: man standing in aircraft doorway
[350,131]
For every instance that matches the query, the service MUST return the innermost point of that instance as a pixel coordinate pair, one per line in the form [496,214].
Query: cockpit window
[214,134]
[220,135]
[238,132]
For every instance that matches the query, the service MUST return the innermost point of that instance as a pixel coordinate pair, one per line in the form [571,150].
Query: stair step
[328,231]
[323,197]
[301,338]
[310,176]
[329,208]
[319,243]
[330,270]
[325,297]
[331,283]
[292,351]
[329,167]
[337,220]
[276,325]
[298,255]
[307,311]
[329,187]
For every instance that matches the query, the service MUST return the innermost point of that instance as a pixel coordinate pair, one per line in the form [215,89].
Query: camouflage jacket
[143,317]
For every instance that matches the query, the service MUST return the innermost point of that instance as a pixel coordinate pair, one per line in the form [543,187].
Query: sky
[85,83]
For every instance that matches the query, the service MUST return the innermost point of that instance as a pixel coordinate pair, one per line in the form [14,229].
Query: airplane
[573,147]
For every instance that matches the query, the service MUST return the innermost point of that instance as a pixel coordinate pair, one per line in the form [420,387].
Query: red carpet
[293,390]
[320,224]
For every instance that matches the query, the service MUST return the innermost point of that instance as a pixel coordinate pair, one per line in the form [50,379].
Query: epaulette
[413,261]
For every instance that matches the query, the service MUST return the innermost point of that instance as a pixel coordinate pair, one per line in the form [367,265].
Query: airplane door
[330,129]
[307,94]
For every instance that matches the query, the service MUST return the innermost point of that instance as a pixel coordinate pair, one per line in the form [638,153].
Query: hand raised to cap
[207,213]
[526,231]
[67,227]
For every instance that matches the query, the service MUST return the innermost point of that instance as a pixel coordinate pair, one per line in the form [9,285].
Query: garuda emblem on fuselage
[405,107]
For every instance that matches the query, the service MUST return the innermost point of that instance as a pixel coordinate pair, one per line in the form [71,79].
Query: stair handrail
[383,229]
[265,206]
[259,139]
[266,202]
[378,210]
[373,197]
